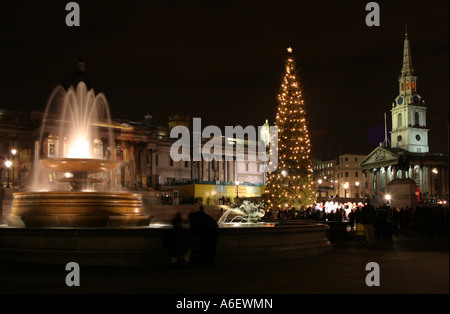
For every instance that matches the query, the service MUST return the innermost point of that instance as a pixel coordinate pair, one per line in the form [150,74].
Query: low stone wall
[144,246]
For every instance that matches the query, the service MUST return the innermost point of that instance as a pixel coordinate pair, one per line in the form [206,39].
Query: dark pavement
[408,265]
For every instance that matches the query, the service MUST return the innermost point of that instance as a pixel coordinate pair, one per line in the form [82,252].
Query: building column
[422,179]
[362,192]
[442,172]
[386,181]
[446,181]
[430,181]
[378,182]
[155,179]
[199,170]
[231,177]
[235,169]
[371,181]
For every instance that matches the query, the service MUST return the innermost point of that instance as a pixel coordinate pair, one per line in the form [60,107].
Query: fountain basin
[77,209]
[85,165]
[144,245]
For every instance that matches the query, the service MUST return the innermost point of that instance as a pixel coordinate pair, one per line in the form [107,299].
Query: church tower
[409,130]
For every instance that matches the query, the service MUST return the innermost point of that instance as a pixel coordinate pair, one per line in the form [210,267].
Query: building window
[157,160]
[399,120]
[186,164]
[356,174]
[346,174]
[416,118]
[171,162]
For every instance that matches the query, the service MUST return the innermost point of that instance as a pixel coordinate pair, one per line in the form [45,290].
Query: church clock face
[400,100]
[416,99]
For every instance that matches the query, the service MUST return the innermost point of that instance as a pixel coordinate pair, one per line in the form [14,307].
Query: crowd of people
[377,222]
[308,213]
[423,219]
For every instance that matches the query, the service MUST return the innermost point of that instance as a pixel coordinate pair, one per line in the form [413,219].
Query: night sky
[223,61]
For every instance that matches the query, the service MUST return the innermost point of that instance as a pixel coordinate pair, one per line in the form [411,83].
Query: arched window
[399,120]
[416,118]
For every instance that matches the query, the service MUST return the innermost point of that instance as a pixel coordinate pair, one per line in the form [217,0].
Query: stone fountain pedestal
[77,208]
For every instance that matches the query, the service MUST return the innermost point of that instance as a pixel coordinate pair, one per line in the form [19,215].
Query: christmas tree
[291,183]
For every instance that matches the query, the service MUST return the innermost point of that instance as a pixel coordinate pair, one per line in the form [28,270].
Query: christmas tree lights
[291,184]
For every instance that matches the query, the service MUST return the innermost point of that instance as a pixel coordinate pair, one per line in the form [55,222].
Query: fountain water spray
[72,152]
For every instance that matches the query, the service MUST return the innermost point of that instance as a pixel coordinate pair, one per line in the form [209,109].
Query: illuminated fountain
[76,126]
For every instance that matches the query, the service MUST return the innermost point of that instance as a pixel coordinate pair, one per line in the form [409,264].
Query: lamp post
[8,164]
[388,198]
[357,189]
[320,187]
[13,152]
[237,189]
[345,189]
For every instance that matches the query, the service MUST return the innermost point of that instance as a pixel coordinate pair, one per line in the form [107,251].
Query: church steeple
[409,130]
[407,68]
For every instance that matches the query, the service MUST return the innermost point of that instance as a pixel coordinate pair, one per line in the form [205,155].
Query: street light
[13,152]
[8,164]
[357,189]
[345,189]
[388,198]
[320,187]
[237,189]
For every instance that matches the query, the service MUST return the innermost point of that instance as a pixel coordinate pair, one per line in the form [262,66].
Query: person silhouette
[205,227]
[369,220]
[177,243]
